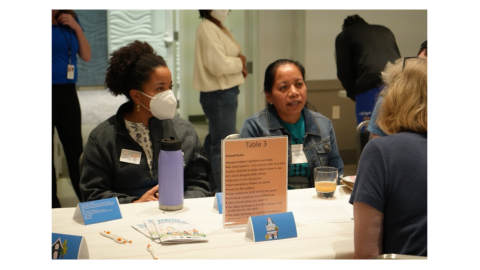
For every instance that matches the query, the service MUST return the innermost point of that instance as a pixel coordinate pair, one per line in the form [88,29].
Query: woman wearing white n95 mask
[121,154]
[219,69]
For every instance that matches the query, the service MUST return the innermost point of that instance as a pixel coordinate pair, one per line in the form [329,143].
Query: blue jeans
[364,104]
[220,108]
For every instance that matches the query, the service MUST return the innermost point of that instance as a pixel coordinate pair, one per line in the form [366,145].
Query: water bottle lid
[171,144]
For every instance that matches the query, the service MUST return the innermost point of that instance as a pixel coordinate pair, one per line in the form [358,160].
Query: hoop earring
[138,107]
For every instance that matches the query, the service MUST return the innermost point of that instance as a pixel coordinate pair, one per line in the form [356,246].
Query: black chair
[80,164]
[232,136]
[363,136]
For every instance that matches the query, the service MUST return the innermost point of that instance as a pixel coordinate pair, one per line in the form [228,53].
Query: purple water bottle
[170,175]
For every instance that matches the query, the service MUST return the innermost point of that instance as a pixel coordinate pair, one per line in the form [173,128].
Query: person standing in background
[68,40]
[219,69]
[362,50]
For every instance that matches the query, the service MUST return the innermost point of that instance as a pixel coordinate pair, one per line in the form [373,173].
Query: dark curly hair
[129,67]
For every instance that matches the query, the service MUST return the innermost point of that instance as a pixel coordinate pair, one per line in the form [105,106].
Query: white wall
[275,40]
[323,26]
[125,26]
[304,35]
[190,103]
[235,22]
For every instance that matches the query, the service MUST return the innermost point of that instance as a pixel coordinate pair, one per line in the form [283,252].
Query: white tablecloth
[324,229]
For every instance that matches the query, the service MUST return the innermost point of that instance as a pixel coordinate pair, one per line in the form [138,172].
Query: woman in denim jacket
[311,135]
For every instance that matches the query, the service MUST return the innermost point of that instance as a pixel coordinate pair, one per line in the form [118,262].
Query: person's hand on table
[151,195]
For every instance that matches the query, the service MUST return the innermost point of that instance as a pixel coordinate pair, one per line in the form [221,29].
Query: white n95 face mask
[220,14]
[162,105]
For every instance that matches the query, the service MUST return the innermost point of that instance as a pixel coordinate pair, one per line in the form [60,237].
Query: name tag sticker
[298,156]
[70,72]
[130,156]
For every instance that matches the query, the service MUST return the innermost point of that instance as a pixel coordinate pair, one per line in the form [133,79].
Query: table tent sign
[217,204]
[66,246]
[98,211]
[271,227]
[254,178]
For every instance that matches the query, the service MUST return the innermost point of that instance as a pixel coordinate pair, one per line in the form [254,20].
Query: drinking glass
[325,181]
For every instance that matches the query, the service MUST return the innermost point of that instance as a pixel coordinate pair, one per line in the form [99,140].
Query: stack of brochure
[170,230]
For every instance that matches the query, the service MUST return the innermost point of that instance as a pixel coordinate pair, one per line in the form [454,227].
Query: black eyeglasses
[405,58]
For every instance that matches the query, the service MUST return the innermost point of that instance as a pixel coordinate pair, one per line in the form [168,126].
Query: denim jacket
[105,176]
[319,143]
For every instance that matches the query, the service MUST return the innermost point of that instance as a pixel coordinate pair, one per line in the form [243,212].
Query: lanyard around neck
[69,44]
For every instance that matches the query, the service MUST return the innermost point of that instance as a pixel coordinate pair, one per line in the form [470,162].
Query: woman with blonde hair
[390,194]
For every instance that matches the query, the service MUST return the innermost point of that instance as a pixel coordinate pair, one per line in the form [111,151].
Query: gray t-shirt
[392,178]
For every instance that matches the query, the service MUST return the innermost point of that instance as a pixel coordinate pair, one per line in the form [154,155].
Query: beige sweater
[217,65]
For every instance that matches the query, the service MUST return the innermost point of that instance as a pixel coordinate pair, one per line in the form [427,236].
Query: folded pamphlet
[171,230]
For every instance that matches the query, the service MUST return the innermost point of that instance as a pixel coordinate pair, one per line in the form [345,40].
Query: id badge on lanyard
[70,68]
[71,72]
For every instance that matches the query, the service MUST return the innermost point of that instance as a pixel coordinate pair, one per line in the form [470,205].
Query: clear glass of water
[325,181]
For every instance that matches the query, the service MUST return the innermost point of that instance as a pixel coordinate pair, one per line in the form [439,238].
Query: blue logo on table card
[272,229]
[273,226]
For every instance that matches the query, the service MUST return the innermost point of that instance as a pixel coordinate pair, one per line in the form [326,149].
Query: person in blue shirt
[68,40]
[311,136]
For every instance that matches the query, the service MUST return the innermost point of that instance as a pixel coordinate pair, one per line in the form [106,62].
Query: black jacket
[362,51]
[105,176]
